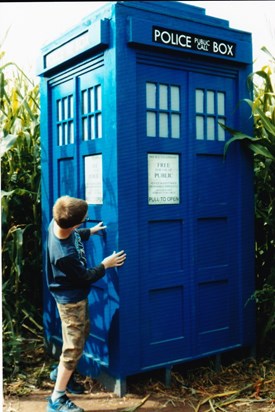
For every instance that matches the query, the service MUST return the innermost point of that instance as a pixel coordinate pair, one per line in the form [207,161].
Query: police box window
[65,120]
[91,113]
[210,113]
[162,110]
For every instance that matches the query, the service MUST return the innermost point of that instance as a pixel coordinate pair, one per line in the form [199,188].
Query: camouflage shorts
[75,330]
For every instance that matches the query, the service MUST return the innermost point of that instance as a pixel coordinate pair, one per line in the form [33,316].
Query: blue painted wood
[182,293]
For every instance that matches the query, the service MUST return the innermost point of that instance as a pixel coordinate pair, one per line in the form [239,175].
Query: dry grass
[247,382]
[246,385]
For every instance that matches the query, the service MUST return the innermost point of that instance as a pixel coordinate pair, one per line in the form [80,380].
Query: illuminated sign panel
[195,42]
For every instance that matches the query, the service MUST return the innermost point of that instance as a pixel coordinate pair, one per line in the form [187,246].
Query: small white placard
[163,179]
[93,179]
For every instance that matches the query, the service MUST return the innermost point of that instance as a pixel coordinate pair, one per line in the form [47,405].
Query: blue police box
[132,103]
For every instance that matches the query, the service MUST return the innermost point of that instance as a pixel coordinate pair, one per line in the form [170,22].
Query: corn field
[262,88]
[21,214]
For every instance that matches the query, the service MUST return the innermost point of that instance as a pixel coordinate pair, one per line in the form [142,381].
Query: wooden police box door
[77,145]
[188,212]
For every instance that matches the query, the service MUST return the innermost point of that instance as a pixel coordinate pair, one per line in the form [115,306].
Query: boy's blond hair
[69,211]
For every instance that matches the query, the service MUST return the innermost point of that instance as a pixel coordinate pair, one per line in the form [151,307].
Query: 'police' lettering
[172,38]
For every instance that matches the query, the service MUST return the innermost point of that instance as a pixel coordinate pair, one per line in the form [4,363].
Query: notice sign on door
[163,179]
[93,180]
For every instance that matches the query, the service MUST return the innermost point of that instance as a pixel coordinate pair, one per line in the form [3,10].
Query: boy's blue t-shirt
[68,277]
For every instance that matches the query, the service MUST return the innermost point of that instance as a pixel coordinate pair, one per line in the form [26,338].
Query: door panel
[188,249]
[64,153]
[90,86]
[163,206]
[77,135]
[215,215]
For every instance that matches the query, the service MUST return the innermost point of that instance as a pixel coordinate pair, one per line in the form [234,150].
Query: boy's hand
[114,260]
[97,228]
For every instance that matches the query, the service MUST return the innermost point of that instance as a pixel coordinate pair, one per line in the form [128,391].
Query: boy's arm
[84,234]
[74,269]
[95,230]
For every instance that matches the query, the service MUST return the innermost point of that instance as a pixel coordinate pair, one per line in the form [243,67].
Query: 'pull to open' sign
[193,42]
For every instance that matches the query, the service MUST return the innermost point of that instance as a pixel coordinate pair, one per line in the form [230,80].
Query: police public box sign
[195,42]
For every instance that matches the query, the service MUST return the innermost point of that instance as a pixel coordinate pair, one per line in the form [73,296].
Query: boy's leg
[59,402]
[74,320]
[63,377]
[73,386]
[75,325]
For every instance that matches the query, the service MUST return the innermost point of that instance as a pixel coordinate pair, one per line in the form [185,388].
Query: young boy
[69,281]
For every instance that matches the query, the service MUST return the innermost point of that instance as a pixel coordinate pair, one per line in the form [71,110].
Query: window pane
[210,128]
[151,91]
[59,110]
[92,127]
[163,125]
[84,102]
[175,98]
[59,135]
[65,108]
[163,97]
[210,102]
[99,126]
[221,131]
[221,104]
[199,101]
[71,107]
[99,98]
[151,124]
[84,129]
[71,132]
[175,120]
[199,127]
[92,100]
[65,133]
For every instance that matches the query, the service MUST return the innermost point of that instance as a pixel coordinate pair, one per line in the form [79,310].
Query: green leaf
[19,192]
[261,150]
[4,193]
[264,49]
[239,137]
[266,121]
[7,143]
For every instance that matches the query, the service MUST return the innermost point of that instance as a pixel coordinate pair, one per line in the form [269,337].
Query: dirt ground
[36,402]
[246,385]
[108,402]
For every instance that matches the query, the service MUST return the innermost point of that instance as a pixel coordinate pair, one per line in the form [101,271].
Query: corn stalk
[21,214]
[262,144]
